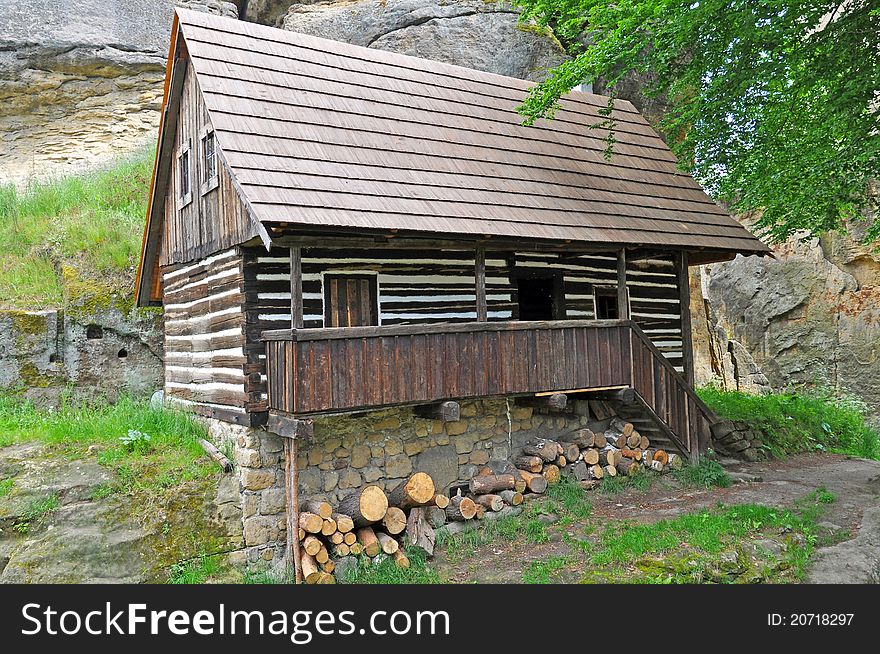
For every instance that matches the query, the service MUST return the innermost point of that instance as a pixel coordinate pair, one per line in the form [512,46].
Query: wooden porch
[333,370]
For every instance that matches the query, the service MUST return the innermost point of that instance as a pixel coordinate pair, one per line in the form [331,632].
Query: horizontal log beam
[287,426]
[554,402]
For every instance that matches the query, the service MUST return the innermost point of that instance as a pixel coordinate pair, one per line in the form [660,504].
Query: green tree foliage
[773,104]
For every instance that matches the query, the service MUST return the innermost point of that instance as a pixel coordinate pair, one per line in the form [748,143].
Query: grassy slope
[801,423]
[76,239]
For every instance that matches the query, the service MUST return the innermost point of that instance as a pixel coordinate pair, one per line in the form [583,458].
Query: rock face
[105,351]
[80,81]
[809,316]
[470,33]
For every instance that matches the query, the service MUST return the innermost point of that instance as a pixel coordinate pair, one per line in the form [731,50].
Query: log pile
[370,522]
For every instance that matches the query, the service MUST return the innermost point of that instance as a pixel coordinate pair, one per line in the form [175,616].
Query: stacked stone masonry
[379,447]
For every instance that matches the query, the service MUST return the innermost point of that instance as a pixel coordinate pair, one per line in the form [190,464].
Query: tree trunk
[616,439]
[323,555]
[322,509]
[580,471]
[600,441]
[609,456]
[441,501]
[328,527]
[625,428]
[309,568]
[480,511]
[355,549]
[591,456]
[596,472]
[634,439]
[627,467]
[418,532]
[491,502]
[328,567]
[400,559]
[311,523]
[536,483]
[461,508]
[387,543]
[582,438]
[365,506]
[341,550]
[368,541]
[491,484]
[394,520]
[571,452]
[337,537]
[349,538]
[512,497]
[529,463]
[661,456]
[418,490]
[644,443]
[344,523]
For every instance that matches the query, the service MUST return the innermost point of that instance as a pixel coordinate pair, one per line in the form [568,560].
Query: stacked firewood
[370,522]
[590,456]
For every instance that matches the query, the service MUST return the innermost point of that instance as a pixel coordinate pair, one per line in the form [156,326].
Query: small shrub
[706,474]
[194,571]
[136,441]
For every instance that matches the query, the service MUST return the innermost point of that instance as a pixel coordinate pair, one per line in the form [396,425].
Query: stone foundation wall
[379,447]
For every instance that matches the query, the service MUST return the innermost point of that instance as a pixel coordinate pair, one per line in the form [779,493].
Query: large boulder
[810,315]
[470,33]
[81,81]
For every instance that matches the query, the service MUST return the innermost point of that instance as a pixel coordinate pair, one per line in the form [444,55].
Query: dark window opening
[184,176]
[351,300]
[123,353]
[606,303]
[536,297]
[210,156]
[94,332]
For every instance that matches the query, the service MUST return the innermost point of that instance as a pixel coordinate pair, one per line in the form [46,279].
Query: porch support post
[296,289]
[480,278]
[684,298]
[622,304]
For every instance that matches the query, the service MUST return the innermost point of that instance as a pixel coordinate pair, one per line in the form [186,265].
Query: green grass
[6,486]
[794,423]
[706,474]
[542,572]
[36,511]
[385,571]
[73,238]
[173,454]
[686,549]
[195,571]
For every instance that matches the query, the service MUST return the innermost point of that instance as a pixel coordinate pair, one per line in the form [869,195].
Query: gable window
[184,179]
[351,300]
[605,299]
[209,160]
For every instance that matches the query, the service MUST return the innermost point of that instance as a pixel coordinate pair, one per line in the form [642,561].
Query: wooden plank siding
[216,217]
[206,364]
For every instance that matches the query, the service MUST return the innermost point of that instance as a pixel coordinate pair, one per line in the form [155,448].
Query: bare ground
[854,518]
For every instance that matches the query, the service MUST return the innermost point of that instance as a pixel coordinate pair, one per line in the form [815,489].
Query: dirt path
[854,516]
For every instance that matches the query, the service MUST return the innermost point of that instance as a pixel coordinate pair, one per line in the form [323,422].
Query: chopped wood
[435,516]
[418,490]
[400,559]
[218,456]
[519,484]
[322,509]
[491,484]
[309,568]
[480,512]
[600,441]
[590,485]
[544,448]
[344,523]
[341,550]
[580,471]
[337,537]
[328,567]
[328,527]
[491,502]
[512,497]
[634,439]
[561,461]
[302,533]
[441,501]
[387,543]
[656,466]
[350,538]
[444,411]
[610,471]
[674,461]
[355,549]
[554,401]
[529,463]
[551,473]
[419,533]
[644,443]
[597,472]
[394,521]
[635,455]
[661,456]
[365,506]
[368,541]
[615,438]
[461,508]
[600,410]
[322,555]
[591,456]
[311,545]
[571,452]
[610,456]
[627,466]
[624,427]
[311,523]
[581,439]
[536,483]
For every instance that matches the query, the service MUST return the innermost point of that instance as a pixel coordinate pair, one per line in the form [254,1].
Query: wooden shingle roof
[325,134]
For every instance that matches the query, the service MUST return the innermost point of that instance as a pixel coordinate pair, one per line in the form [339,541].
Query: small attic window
[184,176]
[209,160]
